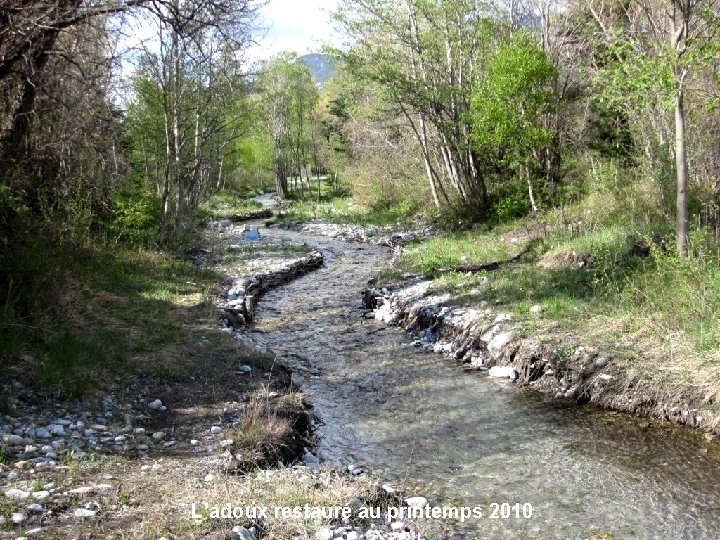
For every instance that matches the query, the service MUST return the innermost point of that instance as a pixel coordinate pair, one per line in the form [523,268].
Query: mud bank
[489,340]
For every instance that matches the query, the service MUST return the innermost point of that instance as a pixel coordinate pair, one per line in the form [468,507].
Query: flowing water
[464,440]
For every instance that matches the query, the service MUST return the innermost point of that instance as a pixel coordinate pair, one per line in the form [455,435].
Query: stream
[465,440]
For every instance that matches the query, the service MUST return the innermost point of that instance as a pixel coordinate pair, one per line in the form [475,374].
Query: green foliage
[137,216]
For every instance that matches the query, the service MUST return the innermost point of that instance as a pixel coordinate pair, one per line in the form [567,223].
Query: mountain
[320,66]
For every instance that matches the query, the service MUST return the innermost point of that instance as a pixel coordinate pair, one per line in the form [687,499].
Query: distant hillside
[320,66]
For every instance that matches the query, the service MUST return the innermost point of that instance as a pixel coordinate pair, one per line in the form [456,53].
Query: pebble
[155,405]
[18,518]
[35,508]
[324,533]
[35,531]
[601,362]
[537,309]
[158,435]
[40,495]
[139,431]
[416,502]
[215,430]
[209,477]
[503,372]
[245,369]
[15,493]
[85,513]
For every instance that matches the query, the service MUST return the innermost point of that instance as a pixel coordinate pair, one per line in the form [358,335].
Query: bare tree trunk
[682,177]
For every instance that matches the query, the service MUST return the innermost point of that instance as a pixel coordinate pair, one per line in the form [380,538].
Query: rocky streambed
[383,400]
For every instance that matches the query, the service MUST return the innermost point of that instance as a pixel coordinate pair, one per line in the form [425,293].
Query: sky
[299,26]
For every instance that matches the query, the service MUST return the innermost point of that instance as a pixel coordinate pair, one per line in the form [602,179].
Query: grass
[673,297]
[226,204]
[117,306]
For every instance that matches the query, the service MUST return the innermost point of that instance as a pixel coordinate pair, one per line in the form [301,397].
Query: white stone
[215,430]
[416,502]
[40,495]
[243,533]
[18,518]
[194,442]
[537,309]
[605,377]
[57,430]
[245,369]
[42,433]
[36,508]
[397,525]
[324,533]
[502,317]
[158,435]
[85,513]
[503,372]
[352,535]
[35,531]
[498,343]
[139,431]
[209,477]
[17,494]
[155,405]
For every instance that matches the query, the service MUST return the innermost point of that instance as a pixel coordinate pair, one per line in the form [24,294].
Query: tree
[653,49]
[509,105]
[288,97]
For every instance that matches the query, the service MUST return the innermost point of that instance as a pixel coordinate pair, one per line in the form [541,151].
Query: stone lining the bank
[486,339]
[382,235]
[239,304]
[249,216]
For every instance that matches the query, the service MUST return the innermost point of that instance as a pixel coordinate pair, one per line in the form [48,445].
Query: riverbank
[607,318]
[140,413]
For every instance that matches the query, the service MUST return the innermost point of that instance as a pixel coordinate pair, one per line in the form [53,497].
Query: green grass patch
[661,293]
[452,250]
[224,205]
[121,313]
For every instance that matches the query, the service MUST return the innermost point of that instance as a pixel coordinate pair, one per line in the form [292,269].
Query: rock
[17,494]
[139,431]
[35,508]
[498,343]
[13,440]
[397,526]
[209,477]
[120,438]
[84,513]
[35,531]
[245,369]
[155,405]
[194,442]
[416,502]
[536,309]
[18,518]
[244,534]
[57,430]
[40,495]
[158,435]
[82,490]
[605,377]
[352,535]
[503,372]
[502,317]
[215,430]
[324,533]
[601,362]
[42,433]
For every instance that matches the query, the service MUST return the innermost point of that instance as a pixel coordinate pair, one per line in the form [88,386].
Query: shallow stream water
[464,440]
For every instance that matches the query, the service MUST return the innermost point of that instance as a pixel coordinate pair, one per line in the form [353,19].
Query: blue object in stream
[251,235]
